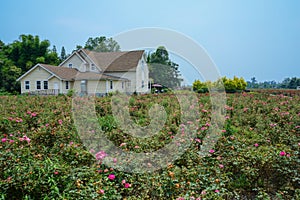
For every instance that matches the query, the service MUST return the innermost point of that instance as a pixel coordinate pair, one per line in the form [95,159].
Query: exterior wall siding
[76,62]
[38,74]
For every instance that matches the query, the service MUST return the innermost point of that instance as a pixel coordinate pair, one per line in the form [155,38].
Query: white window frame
[27,85]
[36,84]
[93,67]
[44,84]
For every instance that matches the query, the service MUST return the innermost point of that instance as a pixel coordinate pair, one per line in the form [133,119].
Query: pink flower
[111,177]
[33,114]
[56,172]
[221,166]
[288,155]
[256,145]
[26,138]
[101,191]
[60,121]
[123,181]
[100,155]
[127,185]
[114,160]
[211,151]
[217,191]
[47,125]
[123,144]
[299,144]
[282,153]
[197,140]
[223,131]
[136,147]
[11,141]
[3,140]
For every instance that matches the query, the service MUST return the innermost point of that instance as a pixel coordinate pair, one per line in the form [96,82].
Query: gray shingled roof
[116,61]
[62,72]
[73,74]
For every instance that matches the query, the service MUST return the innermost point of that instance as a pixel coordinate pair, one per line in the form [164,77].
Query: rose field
[256,156]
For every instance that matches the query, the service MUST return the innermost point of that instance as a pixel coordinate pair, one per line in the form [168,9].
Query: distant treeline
[287,83]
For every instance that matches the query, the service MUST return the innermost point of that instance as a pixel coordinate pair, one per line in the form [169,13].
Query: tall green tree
[102,44]
[162,70]
[63,55]
[18,57]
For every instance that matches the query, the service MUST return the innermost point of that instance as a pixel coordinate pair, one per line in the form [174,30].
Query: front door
[55,87]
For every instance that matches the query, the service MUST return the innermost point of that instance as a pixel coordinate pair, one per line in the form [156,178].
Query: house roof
[115,61]
[62,72]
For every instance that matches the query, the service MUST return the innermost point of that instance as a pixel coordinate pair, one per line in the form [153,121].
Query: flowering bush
[257,155]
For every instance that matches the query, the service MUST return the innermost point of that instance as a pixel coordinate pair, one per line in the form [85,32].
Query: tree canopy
[18,57]
[162,70]
[102,44]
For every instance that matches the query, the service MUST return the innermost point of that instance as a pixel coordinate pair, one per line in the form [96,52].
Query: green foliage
[18,57]
[102,44]
[230,85]
[162,70]
[256,157]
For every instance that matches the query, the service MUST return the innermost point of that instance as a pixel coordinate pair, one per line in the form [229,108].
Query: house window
[93,68]
[45,85]
[27,85]
[122,85]
[38,85]
[70,65]
[143,84]
[111,85]
[67,85]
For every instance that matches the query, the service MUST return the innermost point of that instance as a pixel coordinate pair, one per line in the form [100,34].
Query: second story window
[93,68]
[70,65]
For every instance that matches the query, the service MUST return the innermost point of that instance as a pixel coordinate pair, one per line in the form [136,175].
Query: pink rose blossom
[211,151]
[101,191]
[60,121]
[122,144]
[127,185]
[56,172]
[123,181]
[100,155]
[111,177]
[3,140]
[217,191]
[221,166]
[282,153]
[256,145]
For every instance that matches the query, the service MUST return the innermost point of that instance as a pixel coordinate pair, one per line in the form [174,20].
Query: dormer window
[93,68]
[70,65]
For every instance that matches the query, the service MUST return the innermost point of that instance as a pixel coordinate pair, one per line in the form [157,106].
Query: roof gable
[115,61]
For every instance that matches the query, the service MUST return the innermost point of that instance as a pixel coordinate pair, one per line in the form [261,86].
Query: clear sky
[246,38]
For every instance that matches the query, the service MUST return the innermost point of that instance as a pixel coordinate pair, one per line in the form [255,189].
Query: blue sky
[246,38]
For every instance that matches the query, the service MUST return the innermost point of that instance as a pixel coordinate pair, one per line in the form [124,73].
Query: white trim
[37,85]
[34,67]
[74,53]
[44,84]
[92,61]
[25,85]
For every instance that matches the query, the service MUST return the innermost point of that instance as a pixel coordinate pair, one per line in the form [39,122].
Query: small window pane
[38,85]
[27,85]
[45,85]
[67,85]
[70,65]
